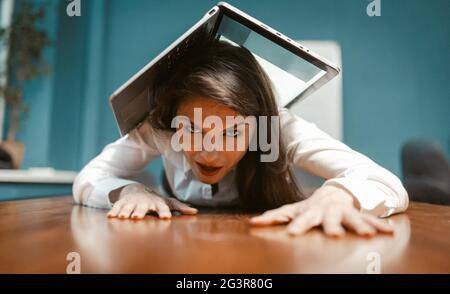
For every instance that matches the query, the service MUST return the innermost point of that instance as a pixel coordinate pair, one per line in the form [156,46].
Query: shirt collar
[186,165]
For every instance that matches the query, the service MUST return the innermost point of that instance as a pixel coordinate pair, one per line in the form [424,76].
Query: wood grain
[36,236]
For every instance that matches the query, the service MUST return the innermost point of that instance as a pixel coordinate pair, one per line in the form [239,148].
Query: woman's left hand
[331,207]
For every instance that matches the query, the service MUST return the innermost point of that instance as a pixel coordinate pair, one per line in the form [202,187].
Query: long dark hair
[231,76]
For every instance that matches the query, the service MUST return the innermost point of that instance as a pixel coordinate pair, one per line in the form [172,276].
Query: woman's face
[214,139]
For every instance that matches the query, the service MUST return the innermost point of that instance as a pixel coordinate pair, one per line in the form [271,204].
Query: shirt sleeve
[115,167]
[376,190]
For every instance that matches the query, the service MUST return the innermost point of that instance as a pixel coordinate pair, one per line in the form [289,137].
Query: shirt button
[207,193]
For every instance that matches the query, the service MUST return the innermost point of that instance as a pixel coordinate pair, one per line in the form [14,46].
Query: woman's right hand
[136,200]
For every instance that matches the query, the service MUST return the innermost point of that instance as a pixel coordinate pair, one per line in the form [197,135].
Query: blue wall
[392,91]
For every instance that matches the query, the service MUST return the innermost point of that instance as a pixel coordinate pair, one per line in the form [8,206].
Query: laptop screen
[290,74]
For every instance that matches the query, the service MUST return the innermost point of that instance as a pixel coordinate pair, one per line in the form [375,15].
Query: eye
[232,133]
[193,129]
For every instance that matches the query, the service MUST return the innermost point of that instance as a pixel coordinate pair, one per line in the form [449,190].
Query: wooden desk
[37,235]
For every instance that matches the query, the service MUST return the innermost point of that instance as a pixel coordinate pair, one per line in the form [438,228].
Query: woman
[218,80]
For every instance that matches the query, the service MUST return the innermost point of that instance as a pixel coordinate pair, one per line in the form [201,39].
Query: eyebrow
[234,126]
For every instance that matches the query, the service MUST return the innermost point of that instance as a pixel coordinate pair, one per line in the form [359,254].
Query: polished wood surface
[37,235]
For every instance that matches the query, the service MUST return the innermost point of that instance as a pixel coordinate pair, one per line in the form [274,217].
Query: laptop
[295,71]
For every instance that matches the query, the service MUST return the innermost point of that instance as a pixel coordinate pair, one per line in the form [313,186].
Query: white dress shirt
[377,190]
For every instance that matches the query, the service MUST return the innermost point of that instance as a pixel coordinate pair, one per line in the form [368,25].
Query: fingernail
[256,219]
[335,234]
[256,222]
[293,232]
[389,231]
[366,233]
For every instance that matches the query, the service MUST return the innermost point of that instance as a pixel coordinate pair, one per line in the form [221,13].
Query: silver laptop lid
[290,74]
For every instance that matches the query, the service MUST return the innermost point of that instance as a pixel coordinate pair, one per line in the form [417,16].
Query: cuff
[369,197]
[99,196]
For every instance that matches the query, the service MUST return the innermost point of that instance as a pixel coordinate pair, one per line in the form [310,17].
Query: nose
[209,156]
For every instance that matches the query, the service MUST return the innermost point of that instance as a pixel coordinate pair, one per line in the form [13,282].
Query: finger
[126,210]
[379,224]
[274,218]
[163,210]
[305,222]
[182,207]
[355,222]
[114,212]
[281,215]
[151,206]
[140,211]
[332,223]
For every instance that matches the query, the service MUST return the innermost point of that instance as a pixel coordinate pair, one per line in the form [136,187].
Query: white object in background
[5,21]
[323,107]
[37,175]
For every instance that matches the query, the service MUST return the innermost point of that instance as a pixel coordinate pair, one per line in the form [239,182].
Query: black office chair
[426,172]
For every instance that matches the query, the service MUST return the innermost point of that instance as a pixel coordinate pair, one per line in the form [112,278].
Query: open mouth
[208,170]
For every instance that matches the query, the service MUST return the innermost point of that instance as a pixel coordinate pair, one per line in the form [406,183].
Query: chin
[208,180]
